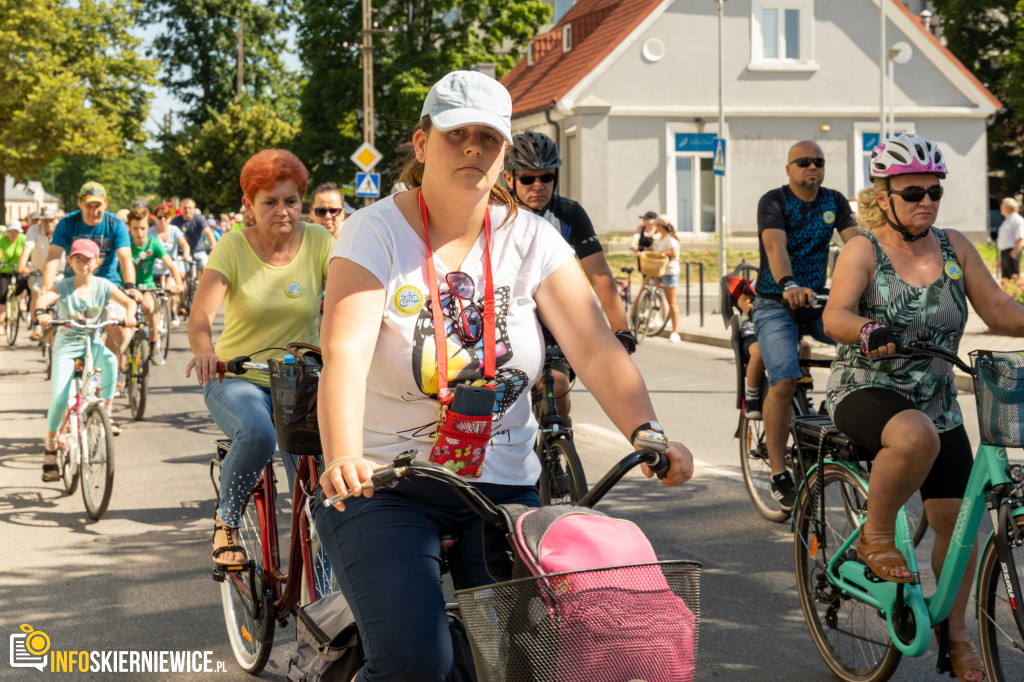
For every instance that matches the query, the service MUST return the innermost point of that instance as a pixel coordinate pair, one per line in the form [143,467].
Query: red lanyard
[440,337]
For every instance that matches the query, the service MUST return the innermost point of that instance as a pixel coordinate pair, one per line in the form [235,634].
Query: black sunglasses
[321,212]
[530,179]
[805,161]
[914,194]
[470,323]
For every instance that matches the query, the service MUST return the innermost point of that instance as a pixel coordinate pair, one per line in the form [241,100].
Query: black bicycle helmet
[533,151]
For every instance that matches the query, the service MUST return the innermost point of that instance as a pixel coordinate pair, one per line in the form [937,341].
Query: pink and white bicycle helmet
[907,154]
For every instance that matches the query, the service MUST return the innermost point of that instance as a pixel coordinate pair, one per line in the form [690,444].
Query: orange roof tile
[598,26]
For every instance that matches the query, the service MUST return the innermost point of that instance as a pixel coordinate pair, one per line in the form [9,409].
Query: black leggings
[862,416]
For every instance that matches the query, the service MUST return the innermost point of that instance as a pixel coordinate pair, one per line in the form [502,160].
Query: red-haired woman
[270,277]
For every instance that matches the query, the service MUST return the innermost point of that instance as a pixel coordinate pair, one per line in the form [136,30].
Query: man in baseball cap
[464,98]
[92,221]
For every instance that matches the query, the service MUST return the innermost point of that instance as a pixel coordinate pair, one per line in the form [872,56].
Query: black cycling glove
[875,335]
[627,340]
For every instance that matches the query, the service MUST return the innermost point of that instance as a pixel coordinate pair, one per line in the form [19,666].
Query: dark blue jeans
[386,554]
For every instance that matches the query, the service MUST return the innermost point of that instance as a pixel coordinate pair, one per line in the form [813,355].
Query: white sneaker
[674,338]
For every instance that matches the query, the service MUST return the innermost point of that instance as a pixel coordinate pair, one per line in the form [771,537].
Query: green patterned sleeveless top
[939,307]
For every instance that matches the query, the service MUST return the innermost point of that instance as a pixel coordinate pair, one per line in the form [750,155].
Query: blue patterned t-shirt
[808,226]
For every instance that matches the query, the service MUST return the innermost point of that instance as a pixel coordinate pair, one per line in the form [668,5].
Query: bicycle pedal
[218,574]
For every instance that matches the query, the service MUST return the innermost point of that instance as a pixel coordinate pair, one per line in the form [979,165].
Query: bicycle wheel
[562,479]
[251,638]
[851,636]
[190,288]
[13,319]
[163,329]
[1001,636]
[644,304]
[660,315]
[757,468]
[48,359]
[137,376]
[97,461]
[68,455]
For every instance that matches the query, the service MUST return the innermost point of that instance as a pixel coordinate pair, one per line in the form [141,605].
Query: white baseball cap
[469,98]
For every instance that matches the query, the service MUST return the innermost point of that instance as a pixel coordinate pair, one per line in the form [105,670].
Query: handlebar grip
[657,462]
[236,365]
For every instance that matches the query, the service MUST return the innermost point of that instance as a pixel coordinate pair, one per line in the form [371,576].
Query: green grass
[708,258]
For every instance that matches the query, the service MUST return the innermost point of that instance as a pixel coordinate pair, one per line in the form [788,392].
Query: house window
[566,37]
[782,37]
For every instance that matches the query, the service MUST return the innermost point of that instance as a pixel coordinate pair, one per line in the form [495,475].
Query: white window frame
[858,154]
[566,37]
[671,199]
[758,62]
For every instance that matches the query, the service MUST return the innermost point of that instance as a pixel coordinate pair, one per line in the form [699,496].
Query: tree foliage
[430,38]
[128,177]
[197,49]
[71,81]
[207,159]
[988,37]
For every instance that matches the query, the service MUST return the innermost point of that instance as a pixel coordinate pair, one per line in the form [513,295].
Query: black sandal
[51,472]
[218,526]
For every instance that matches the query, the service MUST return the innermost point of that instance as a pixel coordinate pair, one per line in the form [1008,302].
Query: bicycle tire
[163,329]
[851,636]
[190,288]
[48,359]
[13,319]
[137,376]
[1001,634]
[562,452]
[661,318]
[68,453]
[251,639]
[97,461]
[643,314]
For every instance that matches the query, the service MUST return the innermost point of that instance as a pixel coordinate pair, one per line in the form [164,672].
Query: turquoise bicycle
[863,625]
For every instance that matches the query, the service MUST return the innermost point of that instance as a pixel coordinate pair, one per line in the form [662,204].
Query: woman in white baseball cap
[449,264]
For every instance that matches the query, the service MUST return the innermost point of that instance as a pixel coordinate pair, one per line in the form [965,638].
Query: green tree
[988,37]
[72,82]
[197,49]
[207,159]
[430,38]
[128,177]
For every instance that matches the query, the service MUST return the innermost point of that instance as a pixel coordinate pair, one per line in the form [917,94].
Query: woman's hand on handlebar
[680,468]
[346,477]
[207,366]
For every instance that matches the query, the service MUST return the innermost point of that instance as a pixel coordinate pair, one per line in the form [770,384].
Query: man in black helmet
[531,174]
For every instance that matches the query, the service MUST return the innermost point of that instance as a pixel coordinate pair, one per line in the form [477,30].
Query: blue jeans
[242,410]
[386,554]
[779,336]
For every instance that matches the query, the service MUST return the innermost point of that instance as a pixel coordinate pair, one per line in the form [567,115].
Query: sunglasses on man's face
[530,179]
[914,194]
[321,212]
[806,161]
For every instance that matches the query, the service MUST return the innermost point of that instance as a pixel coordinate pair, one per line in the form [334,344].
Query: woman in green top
[902,277]
[270,277]
[12,243]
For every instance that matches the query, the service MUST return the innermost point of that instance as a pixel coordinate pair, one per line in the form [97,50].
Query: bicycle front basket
[293,391]
[999,389]
[653,264]
[623,623]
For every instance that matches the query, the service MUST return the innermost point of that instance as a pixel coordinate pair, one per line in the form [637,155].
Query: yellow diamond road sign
[366,157]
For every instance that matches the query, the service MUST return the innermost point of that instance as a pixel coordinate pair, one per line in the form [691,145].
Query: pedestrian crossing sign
[718,165]
[367,184]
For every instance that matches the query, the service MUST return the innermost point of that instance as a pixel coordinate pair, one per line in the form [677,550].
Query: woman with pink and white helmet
[903,276]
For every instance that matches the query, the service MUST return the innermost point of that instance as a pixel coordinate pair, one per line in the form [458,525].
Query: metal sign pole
[720,178]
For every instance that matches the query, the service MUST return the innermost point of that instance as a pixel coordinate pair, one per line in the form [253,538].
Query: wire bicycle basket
[999,389]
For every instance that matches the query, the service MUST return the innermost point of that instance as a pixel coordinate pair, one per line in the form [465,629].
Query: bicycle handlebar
[241,365]
[403,467]
[922,347]
[89,327]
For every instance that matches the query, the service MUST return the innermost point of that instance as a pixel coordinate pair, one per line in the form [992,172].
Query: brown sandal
[228,530]
[881,557]
[958,658]
[51,470]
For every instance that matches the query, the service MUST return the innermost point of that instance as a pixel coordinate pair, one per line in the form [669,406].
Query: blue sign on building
[869,141]
[695,142]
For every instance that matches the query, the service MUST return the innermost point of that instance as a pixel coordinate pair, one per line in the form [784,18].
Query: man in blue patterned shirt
[795,224]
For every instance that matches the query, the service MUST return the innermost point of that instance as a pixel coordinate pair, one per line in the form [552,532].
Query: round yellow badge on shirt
[408,299]
[93,311]
[829,217]
[953,270]
[293,289]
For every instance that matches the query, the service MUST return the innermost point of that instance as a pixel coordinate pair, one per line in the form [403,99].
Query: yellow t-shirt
[267,306]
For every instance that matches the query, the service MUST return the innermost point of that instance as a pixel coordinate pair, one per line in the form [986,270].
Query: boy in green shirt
[146,250]
[12,243]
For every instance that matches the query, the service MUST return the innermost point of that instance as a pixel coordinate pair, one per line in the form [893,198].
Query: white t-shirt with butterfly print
[401,388]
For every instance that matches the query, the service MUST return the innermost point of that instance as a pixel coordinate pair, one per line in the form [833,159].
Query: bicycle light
[1015,472]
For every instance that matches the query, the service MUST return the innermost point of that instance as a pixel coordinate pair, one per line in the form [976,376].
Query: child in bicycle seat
[742,291]
[82,298]
[147,250]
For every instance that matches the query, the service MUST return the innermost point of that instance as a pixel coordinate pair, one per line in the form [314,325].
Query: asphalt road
[139,579]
